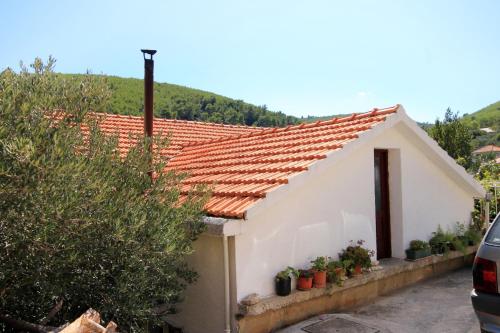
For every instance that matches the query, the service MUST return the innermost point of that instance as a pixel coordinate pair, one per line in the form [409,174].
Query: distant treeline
[176,102]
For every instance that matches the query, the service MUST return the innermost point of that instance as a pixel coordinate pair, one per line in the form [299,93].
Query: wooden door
[382,208]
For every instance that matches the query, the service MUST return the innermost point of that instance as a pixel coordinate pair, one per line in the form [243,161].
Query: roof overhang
[218,226]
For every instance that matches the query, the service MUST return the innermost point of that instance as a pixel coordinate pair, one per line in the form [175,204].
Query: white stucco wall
[203,308]
[321,215]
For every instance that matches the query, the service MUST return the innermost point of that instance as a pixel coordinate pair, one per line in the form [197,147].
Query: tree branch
[52,312]
[21,325]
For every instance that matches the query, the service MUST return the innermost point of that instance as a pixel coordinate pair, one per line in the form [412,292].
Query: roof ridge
[122,116]
[269,130]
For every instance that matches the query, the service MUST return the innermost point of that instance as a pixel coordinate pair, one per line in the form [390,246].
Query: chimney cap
[147,51]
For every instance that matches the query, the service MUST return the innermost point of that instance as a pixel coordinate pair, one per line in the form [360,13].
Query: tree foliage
[78,223]
[454,137]
[488,175]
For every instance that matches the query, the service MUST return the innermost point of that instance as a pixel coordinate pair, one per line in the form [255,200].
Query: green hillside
[486,117]
[178,102]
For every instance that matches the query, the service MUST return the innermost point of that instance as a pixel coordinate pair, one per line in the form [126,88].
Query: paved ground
[437,305]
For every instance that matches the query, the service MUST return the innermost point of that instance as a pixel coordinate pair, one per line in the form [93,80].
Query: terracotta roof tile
[242,164]
[487,149]
[180,132]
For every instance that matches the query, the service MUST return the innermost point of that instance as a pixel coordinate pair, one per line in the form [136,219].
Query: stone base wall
[276,312]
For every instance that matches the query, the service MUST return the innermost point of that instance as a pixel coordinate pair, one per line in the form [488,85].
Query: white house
[282,197]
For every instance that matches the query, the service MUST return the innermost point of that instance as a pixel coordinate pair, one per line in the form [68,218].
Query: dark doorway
[382,209]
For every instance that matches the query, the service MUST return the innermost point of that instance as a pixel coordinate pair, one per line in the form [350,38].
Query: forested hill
[488,116]
[178,102]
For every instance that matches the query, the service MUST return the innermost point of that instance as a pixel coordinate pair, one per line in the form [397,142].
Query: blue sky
[300,57]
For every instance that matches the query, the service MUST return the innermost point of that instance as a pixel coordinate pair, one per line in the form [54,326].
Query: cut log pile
[89,322]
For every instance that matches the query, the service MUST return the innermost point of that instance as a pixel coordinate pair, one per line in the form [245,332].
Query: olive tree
[80,225]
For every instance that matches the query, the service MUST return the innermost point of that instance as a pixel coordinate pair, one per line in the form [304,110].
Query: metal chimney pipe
[148,91]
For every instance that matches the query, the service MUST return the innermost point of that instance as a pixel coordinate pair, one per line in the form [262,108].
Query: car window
[493,236]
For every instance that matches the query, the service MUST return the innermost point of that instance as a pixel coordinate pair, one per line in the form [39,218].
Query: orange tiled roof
[241,163]
[487,149]
[243,168]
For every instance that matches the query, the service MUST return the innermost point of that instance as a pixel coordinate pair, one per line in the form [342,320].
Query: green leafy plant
[356,254]
[287,273]
[472,236]
[335,264]
[461,240]
[320,264]
[476,217]
[305,273]
[440,241]
[348,264]
[417,245]
[332,269]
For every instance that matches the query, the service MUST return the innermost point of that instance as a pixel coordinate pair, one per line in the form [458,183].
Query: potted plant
[348,266]
[442,242]
[319,267]
[358,256]
[335,271]
[283,281]
[305,280]
[418,249]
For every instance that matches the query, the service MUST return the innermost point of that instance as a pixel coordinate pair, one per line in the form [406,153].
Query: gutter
[227,300]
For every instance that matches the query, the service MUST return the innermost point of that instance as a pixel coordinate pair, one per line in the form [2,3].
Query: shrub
[79,224]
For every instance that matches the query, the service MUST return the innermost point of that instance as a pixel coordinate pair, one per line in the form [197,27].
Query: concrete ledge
[275,312]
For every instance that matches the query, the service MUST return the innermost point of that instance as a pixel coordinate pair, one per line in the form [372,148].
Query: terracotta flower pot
[319,279]
[358,270]
[304,283]
[340,272]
